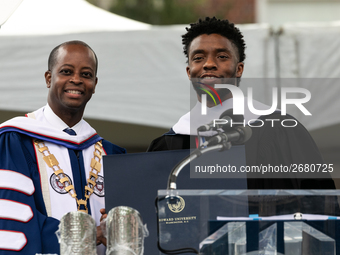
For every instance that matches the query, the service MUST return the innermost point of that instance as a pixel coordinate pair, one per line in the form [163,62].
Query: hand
[104,215]
[100,236]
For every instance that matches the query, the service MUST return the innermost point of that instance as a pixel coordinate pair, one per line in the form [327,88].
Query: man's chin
[210,82]
[206,83]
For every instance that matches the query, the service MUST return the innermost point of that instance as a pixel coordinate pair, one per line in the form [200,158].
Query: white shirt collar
[188,123]
[58,123]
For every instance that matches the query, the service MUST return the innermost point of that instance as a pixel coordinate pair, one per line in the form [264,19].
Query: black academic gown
[276,146]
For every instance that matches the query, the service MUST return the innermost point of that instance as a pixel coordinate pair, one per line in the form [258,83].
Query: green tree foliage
[164,12]
[167,12]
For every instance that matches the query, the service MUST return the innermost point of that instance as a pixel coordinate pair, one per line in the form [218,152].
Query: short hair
[214,26]
[52,59]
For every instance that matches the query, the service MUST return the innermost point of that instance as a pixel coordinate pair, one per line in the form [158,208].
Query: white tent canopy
[7,9]
[47,17]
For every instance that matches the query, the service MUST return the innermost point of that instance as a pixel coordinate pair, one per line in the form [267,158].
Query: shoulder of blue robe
[38,129]
[111,148]
[24,226]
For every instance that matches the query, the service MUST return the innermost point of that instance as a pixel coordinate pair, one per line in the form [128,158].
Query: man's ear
[95,84]
[48,78]
[188,72]
[239,69]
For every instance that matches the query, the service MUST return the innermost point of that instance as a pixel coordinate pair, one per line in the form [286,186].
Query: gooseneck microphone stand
[221,142]
[193,155]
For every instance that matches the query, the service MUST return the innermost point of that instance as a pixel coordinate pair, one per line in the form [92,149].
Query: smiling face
[213,59]
[72,80]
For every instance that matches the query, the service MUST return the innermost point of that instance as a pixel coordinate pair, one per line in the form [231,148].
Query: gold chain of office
[53,163]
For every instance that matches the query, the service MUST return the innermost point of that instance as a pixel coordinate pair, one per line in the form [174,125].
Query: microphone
[236,120]
[209,126]
[226,121]
[238,135]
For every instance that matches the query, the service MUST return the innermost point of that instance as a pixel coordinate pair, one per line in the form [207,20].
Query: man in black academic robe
[215,52]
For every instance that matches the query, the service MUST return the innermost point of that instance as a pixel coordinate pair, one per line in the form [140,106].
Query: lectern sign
[178,206]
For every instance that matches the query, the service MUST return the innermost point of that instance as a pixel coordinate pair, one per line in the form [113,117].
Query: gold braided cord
[53,163]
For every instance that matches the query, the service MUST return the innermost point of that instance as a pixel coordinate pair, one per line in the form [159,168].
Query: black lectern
[134,179]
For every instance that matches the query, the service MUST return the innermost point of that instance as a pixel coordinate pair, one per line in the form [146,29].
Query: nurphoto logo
[239,103]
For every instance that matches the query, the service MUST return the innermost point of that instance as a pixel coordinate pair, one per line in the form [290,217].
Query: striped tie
[70,131]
